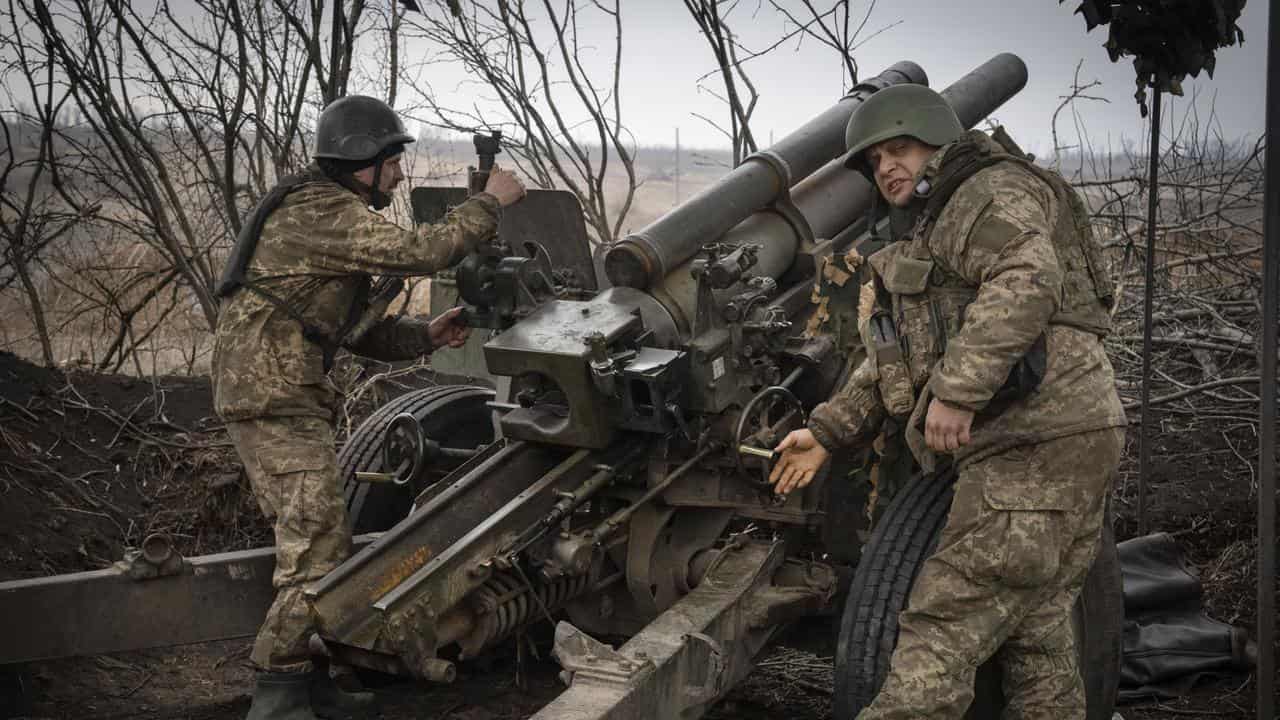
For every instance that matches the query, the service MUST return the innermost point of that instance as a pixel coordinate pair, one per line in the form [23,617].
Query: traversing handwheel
[764,421]
[453,416]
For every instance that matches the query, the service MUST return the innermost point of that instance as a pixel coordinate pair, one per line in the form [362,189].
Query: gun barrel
[830,200]
[644,258]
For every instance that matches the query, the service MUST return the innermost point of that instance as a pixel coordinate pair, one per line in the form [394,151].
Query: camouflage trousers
[1022,532]
[293,468]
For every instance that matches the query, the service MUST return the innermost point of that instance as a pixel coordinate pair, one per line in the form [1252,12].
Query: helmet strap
[873,210]
[378,199]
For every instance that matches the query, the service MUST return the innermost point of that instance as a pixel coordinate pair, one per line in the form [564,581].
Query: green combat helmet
[357,127]
[909,109]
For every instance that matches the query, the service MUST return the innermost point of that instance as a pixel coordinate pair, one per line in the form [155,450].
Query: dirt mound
[93,463]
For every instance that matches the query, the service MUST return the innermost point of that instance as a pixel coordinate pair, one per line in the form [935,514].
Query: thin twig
[33,417]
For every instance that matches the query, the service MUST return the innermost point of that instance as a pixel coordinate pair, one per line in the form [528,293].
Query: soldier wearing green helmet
[297,287]
[998,295]
[899,111]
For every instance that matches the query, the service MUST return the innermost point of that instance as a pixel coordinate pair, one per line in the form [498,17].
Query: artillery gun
[616,476]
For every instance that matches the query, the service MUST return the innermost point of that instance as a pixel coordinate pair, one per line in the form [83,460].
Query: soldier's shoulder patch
[957,220]
[1009,215]
[992,232]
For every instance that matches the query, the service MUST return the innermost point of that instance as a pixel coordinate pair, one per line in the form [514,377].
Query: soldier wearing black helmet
[994,301]
[298,287]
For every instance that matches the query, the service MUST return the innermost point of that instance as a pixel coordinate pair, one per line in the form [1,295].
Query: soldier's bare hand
[505,186]
[448,328]
[946,428]
[802,457]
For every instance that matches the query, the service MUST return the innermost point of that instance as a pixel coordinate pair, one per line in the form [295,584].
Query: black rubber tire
[891,560]
[452,415]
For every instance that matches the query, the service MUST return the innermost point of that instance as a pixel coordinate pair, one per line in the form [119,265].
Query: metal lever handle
[377,477]
[769,455]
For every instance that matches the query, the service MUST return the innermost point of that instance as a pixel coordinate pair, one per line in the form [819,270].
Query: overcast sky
[663,55]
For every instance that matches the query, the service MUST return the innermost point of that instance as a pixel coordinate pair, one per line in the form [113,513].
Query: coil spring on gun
[504,603]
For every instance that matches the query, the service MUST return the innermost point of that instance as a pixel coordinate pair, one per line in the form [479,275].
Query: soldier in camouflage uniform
[984,338]
[295,290]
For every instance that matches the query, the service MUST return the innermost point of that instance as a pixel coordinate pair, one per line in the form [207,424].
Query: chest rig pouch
[919,313]
[926,309]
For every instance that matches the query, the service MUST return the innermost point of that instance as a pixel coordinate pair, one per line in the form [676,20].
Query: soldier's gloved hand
[505,186]
[448,328]
[946,428]
[802,457]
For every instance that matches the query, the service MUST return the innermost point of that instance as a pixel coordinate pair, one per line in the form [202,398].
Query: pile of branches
[1207,296]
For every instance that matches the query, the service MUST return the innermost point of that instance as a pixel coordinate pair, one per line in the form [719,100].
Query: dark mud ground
[90,464]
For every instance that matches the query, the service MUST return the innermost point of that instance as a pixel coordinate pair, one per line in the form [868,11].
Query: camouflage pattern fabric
[970,294]
[292,466]
[893,468]
[853,415]
[1021,535]
[970,289]
[835,297]
[316,252]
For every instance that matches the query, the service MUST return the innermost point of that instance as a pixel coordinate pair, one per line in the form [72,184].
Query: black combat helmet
[355,132]
[358,127]
[908,109]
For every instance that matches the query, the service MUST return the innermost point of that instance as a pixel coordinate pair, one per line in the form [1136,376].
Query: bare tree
[198,108]
[1077,92]
[532,59]
[38,206]
[739,93]
[191,112]
[833,28]
[332,69]
[91,44]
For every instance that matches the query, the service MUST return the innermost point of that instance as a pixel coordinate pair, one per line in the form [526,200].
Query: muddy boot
[282,696]
[341,697]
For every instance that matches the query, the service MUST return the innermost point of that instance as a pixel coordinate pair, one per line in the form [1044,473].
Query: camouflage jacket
[316,253]
[969,294]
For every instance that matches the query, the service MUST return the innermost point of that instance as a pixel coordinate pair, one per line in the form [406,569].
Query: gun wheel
[891,559]
[452,415]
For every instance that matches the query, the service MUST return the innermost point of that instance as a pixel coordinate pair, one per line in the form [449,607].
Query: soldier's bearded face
[896,162]
[392,174]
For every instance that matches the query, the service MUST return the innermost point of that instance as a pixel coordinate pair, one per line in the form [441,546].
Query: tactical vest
[233,274]
[922,303]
